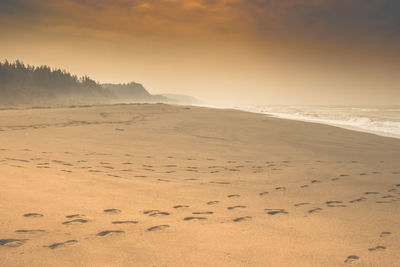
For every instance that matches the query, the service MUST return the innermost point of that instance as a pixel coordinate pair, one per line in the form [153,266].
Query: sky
[232,52]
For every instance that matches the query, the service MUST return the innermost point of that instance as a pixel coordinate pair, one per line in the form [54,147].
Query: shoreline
[270,114]
[341,124]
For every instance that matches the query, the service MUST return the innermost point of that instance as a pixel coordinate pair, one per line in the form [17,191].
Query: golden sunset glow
[328,50]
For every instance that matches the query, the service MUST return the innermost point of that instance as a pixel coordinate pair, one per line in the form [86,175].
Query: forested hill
[133,92]
[25,84]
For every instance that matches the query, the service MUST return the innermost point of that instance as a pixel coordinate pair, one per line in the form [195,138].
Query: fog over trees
[22,84]
[26,85]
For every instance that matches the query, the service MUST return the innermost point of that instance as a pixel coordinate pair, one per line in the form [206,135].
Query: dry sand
[160,185]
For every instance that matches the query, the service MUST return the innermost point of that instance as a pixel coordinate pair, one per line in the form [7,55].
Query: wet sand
[162,185]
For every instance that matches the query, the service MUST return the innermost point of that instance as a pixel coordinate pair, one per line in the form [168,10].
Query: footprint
[33,215]
[202,212]
[351,258]
[180,206]
[124,222]
[334,203]
[194,218]
[234,195]
[275,211]
[377,248]
[158,227]
[212,202]
[104,233]
[239,219]
[212,182]
[12,242]
[75,221]
[304,186]
[155,212]
[384,202]
[383,234]
[371,193]
[358,200]
[62,244]
[112,211]
[315,181]
[263,193]
[301,204]
[36,231]
[314,210]
[236,207]
[280,188]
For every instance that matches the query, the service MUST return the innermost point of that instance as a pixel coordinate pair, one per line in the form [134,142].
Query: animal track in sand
[163,180]
[275,211]
[33,215]
[110,232]
[112,211]
[213,202]
[236,207]
[124,222]
[263,193]
[315,181]
[75,221]
[351,258]
[233,195]
[158,227]
[304,186]
[180,206]
[62,244]
[280,188]
[12,242]
[194,218]
[239,219]
[377,248]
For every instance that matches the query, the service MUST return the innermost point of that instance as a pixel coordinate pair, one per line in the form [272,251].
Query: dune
[166,185]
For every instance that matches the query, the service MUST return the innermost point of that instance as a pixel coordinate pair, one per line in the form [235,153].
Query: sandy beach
[164,185]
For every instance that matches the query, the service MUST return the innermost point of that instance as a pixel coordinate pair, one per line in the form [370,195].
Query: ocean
[379,120]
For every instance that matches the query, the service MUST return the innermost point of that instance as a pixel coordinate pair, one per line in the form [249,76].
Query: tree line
[20,82]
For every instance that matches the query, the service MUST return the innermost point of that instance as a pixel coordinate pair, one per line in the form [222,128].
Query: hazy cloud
[338,18]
